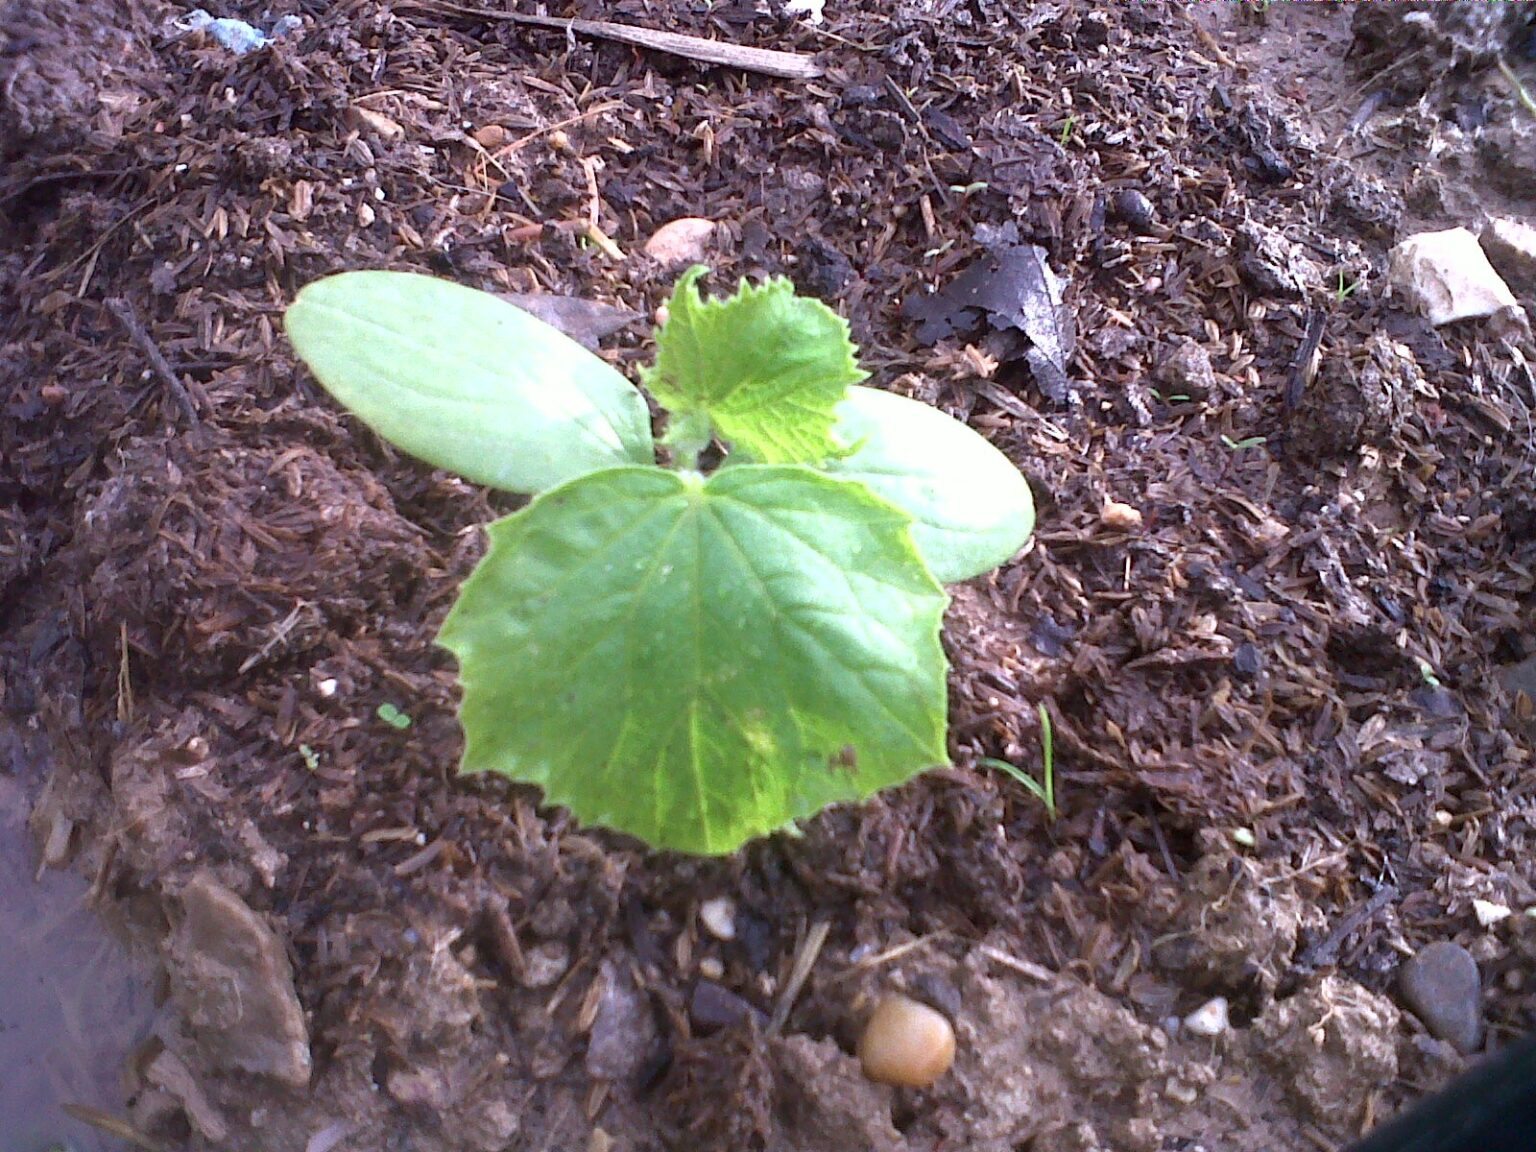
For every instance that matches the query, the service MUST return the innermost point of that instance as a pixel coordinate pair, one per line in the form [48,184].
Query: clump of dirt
[1053,1065]
[233,987]
[1234,931]
[210,580]
[824,1100]
[1333,1046]
[1357,396]
[65,68]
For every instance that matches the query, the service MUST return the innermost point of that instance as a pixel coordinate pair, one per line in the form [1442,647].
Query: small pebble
[56,847]
[1181,1093]
[682,241]
[712,1007]
[906,1044]
[1442,986]
[1210,1019]
[1135,209]
[718,915]
[1488,913]
[711,968]
[491,136]
[1120,517]
[1186,371]
[623,1030]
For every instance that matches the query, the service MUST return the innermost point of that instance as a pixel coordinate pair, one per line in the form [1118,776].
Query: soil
[1284,752]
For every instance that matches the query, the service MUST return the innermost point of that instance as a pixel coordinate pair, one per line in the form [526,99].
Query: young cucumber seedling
[695,659]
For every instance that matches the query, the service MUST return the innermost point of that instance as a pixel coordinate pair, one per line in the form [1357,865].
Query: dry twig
[123,310]
[789,65]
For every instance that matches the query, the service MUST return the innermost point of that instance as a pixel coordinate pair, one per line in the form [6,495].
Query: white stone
[718,915]
[1488,913]
[1210,1019]
[1181,1093]
[1447,277]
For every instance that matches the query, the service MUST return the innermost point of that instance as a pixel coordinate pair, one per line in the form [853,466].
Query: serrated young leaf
[971,508]
[466,381]
[697,662]
[766,366]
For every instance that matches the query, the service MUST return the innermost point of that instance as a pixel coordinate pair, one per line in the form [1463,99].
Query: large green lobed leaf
[466,381]
[971,508]
[697,662]
[765,368]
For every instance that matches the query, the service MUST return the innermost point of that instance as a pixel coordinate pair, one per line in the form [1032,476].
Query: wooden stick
[800,970]
[123,311]
[789,65]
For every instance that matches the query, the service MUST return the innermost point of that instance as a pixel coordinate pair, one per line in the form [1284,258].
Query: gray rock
[1185,370]
[712,1007]
[1511,248]
[1446,276]
[624,1029]
[232,984]
[1442,986]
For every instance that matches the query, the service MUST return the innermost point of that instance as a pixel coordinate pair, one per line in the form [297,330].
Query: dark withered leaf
[1011,288]
[584,321]
[949,130]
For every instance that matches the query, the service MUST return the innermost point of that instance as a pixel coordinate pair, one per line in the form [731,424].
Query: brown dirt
[210,578]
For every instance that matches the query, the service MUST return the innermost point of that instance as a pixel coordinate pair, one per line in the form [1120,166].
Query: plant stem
[1048,760]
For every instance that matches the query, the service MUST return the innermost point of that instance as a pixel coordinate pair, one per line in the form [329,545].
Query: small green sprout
[1520,91]
[1068,126]
[1345,288]
[1427,671]
[310,756]
[1043,789]
[694,654]
[1246,442]
[392,716]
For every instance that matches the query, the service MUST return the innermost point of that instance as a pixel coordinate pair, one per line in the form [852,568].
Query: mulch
[204,564]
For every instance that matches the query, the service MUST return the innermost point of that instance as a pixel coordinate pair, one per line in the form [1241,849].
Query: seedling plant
[700,639]
[1043,789]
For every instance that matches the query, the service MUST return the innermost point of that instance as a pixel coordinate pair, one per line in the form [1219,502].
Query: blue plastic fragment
[236,36]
